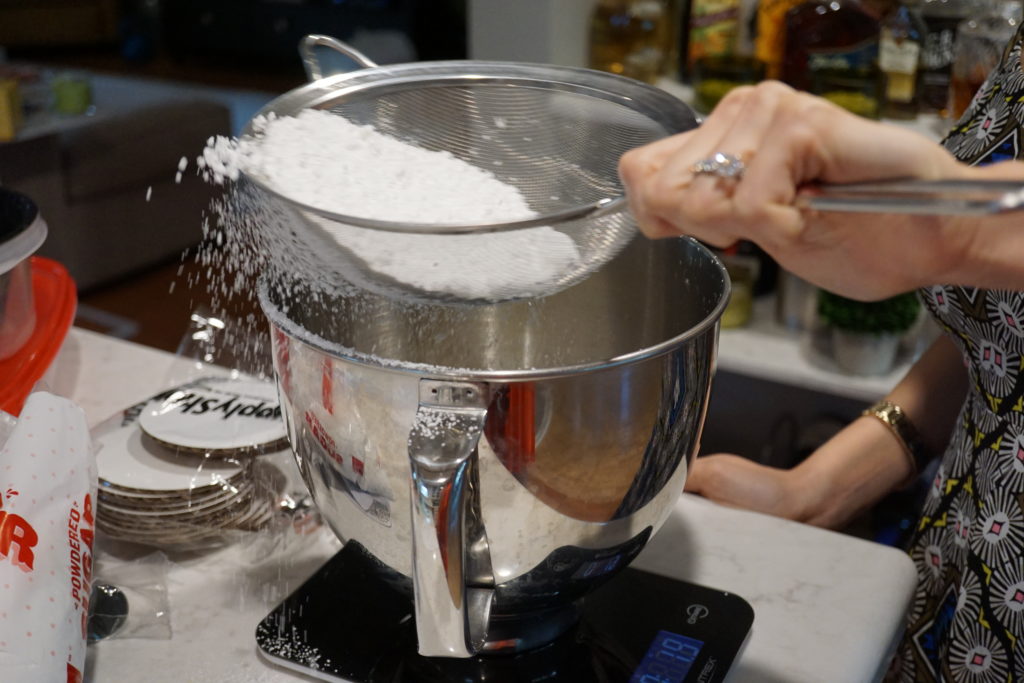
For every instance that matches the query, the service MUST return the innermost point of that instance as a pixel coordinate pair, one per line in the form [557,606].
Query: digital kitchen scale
[347,624]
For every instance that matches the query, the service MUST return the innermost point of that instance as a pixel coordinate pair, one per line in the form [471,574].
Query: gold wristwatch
[893,417]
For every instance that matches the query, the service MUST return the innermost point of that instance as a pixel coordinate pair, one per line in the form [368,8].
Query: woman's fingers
[669,198]
[640,169]
[786,139]
[662,171]
[709,137]
[789,140]
[739,482]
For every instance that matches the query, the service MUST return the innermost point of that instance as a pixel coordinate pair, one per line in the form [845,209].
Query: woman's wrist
[904,432]
[849,474]
[985,249]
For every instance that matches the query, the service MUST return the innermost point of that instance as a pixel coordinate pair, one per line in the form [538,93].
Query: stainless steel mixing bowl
[510,457]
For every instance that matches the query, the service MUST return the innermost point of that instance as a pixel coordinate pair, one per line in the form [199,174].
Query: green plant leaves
[895,314]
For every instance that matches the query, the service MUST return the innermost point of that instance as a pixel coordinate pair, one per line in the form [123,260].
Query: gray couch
[91,183]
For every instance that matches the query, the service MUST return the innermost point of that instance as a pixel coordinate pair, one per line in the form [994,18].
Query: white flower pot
[862,353]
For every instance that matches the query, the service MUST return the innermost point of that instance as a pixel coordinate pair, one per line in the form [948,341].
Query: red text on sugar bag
[17,538]
[80,538]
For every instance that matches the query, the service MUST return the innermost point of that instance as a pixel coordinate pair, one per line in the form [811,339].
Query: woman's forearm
[866,461]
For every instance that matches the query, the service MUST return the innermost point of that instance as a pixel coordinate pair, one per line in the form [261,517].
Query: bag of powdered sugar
[47,489]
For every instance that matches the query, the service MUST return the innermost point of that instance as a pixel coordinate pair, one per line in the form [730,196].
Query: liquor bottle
[770,40]
[979,45]
[677,17]
[941,17]
[744,269]
[630,37]
[831,49]
[899,56]
[714,28]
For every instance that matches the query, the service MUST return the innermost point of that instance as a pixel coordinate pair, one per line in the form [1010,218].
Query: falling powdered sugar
[322,160]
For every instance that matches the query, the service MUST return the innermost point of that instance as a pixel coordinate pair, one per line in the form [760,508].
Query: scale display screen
[668,659]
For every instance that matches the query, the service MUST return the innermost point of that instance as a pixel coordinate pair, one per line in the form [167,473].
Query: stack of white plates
[156,492]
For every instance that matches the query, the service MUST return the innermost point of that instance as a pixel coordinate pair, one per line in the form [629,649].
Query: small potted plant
[866,334]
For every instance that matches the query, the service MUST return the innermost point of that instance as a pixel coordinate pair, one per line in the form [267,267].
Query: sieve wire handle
[314,69]
[918,197]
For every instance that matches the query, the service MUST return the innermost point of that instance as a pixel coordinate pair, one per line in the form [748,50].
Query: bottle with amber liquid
[630,37]
[899,57]
[979,46]
[831,49]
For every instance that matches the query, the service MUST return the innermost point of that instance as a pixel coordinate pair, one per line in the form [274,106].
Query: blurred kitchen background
[100,100]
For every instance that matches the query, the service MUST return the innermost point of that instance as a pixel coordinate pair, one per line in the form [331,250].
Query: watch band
[896,420]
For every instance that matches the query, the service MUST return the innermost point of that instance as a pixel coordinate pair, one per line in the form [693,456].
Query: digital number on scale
[668,659]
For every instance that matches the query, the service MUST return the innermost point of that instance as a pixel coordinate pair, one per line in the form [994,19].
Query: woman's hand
[858,466]
[789,140]
[738,482]
[840,481]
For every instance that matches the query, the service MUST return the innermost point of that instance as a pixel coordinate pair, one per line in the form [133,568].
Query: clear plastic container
[22,231]
[56,299]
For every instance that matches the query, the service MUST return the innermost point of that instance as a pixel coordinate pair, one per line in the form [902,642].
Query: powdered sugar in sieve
[322,160]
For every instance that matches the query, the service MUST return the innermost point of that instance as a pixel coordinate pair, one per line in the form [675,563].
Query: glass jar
[630,38]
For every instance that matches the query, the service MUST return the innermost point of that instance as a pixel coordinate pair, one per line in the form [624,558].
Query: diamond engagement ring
[721,165]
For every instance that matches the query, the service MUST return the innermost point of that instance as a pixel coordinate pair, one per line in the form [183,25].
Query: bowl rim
[710,323]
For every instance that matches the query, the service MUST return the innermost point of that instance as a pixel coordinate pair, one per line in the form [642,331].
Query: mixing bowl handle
[451,619]
[314,69]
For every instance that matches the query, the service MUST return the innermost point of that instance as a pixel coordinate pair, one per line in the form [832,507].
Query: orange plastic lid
[55,298]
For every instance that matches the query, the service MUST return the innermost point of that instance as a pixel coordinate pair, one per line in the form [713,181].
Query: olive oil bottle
[631,37]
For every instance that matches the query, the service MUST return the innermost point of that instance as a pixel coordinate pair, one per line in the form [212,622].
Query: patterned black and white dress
[967,619]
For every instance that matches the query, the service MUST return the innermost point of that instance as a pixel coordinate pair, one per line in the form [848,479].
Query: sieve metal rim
[664,109]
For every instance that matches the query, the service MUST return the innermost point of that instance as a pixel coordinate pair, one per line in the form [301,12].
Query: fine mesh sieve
[555,133]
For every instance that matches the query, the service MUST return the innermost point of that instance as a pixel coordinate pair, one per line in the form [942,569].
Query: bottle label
[900,88]
[898,56]
[937,61]
[713,28]
[937,54]
[851,58]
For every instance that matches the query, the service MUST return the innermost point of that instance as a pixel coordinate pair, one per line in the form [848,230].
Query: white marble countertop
[828,607]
